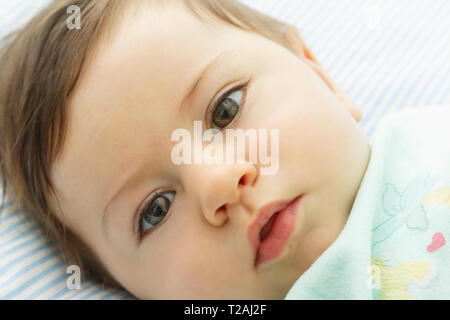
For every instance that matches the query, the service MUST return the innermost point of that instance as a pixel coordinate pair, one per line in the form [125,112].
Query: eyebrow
[203,74]
[198,79]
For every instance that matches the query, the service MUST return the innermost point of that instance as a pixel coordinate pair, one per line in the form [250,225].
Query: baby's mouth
[273,236]
[265,231]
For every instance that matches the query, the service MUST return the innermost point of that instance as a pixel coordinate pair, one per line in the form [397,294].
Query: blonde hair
[41,64]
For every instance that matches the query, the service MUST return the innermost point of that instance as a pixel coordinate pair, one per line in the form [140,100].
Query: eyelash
[141,211]
[213,106]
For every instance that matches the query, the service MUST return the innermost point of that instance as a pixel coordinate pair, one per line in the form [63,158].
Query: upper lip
[263,216]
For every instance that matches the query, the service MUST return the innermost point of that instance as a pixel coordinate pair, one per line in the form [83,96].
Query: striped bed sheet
[387,55]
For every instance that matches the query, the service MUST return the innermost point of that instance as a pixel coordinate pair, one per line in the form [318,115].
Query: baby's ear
[299,48]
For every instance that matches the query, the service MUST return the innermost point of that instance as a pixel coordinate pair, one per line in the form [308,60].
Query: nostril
[220,216]
[242,180]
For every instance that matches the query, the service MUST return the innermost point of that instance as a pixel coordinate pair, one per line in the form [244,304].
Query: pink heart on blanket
[437,241]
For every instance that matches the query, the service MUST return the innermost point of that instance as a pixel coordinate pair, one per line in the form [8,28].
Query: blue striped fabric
[30,267]
[388,55]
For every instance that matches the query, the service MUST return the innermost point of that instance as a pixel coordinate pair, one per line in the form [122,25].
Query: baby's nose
[218,186]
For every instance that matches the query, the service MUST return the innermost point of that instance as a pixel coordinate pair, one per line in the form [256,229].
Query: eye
[227,108]
[153,212]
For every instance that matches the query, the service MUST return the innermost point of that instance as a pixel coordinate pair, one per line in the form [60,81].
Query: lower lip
[282,230]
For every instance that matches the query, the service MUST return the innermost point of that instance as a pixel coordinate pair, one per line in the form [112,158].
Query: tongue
[267,227]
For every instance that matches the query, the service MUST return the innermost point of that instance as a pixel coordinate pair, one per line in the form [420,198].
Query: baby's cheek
[187,277]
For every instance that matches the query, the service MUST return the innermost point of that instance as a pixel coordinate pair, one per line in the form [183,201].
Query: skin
[122,113]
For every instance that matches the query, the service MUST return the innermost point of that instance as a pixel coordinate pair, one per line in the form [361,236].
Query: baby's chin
[314,234]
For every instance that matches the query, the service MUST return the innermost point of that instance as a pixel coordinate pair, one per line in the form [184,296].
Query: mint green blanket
[395,244]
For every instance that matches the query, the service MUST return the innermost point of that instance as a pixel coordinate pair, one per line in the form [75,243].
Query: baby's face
[195,244]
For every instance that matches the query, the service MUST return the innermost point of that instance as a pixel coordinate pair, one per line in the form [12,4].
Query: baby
[87,118]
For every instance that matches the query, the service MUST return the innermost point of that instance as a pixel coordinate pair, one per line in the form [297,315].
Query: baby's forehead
[140,70]
[151,55]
